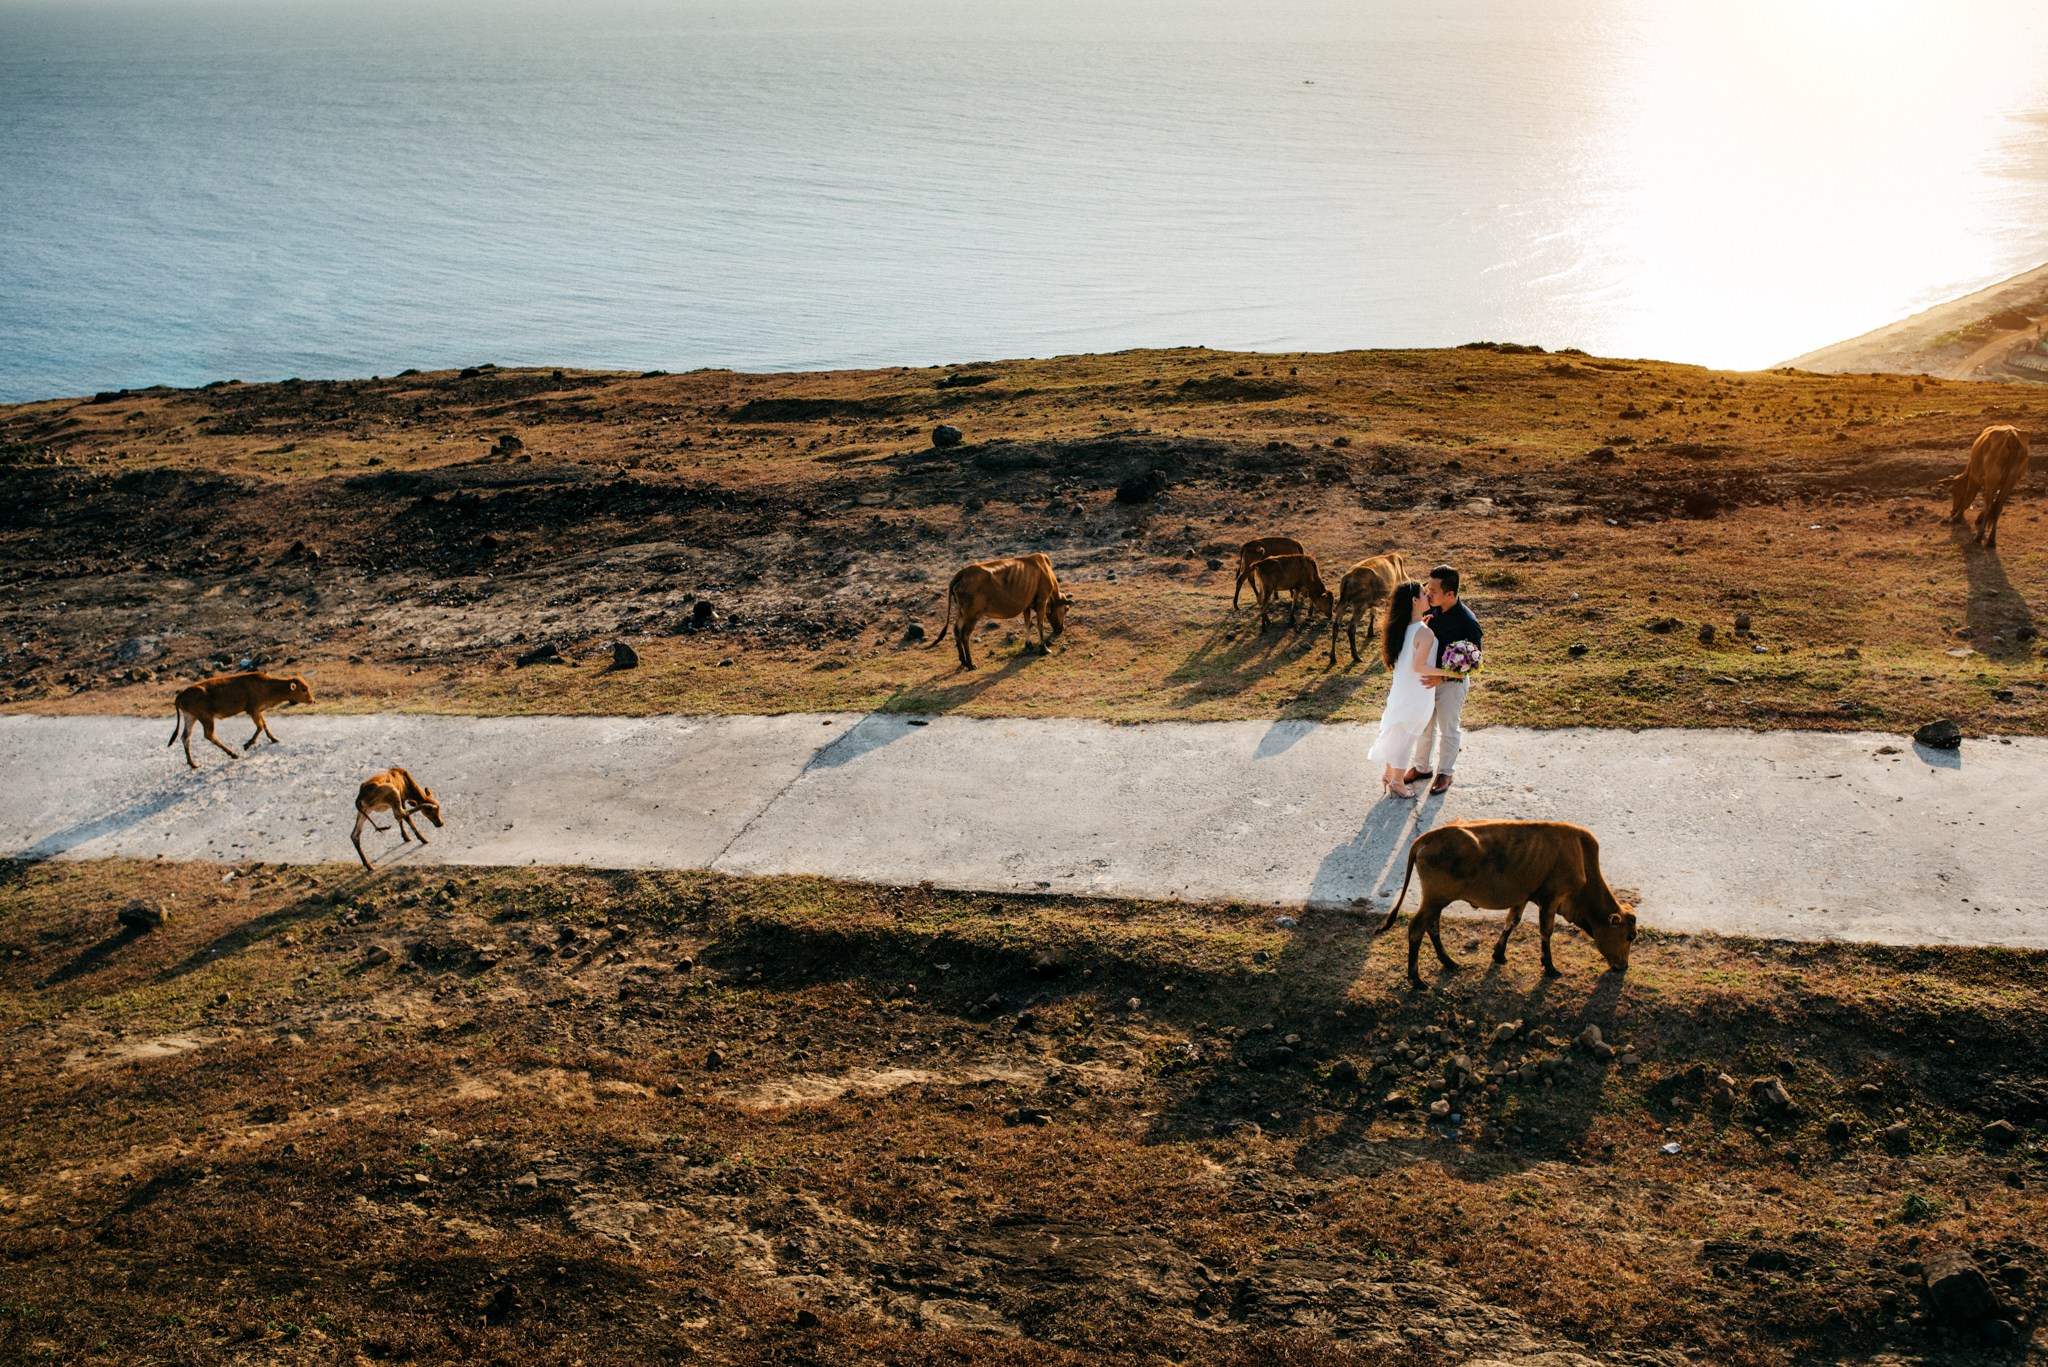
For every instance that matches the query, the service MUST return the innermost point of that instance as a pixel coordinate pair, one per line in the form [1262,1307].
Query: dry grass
[1826,534]
[257,1195]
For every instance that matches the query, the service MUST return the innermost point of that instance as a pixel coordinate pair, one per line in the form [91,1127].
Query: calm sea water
[194,191]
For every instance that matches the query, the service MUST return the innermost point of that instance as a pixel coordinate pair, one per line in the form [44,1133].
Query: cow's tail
[177,720]
[1395,910]
[950,596]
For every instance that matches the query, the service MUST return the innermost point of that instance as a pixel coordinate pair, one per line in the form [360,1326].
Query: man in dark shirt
[1449,620]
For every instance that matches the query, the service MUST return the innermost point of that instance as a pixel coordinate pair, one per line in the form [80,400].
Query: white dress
[1409,706]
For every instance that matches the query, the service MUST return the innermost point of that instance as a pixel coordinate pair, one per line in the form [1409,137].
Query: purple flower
[1460,657]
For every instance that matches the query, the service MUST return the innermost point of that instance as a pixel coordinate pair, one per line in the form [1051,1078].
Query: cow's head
[1057,611]
[1320,597]
[427,803]
[296,691]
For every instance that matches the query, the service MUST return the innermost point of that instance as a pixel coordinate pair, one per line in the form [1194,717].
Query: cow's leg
[415,824]
[189,722]
[1372,622]
[1425,923]
[264,723]
[1987,522]
[963,634]
[256,714]
[1500,946]
[207,722]
[1546,919]
[357,834]
[1264,598]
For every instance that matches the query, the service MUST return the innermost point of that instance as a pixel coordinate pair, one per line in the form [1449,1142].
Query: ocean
[193,190]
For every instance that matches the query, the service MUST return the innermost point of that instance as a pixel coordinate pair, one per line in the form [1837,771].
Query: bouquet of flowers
[1459,659]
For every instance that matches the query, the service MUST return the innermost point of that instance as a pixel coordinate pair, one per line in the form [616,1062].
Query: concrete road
[1789,835]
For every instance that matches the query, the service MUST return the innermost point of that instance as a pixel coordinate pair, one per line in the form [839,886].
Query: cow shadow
[939,698]
[92,957]
[1235,657]
[115,821]
[311,906]
[1995,608]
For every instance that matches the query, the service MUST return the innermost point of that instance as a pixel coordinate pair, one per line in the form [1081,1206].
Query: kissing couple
[1431,646]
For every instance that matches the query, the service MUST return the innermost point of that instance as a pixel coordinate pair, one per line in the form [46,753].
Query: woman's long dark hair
[1400,614]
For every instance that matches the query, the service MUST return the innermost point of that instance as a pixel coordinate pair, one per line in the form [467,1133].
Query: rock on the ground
[1898,1135]
[546,654]
[1141,488]
[1958,1288]
[1838,1130]
[141,914]
[624,656]
[945,435]
[1345,1071]
[1940,735]
[1506,1031]
[1722,1093]
[1771,1092]
[2001,1133]
[376,954]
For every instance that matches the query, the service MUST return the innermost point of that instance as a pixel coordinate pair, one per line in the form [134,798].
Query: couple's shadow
[1365,872]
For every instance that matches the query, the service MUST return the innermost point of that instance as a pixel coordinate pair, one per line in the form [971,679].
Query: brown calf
[1998,462]
[1005,588]
[394,791]
[1495,864]
[1291,574]
[1368,584]
[231,695]
[1251,552]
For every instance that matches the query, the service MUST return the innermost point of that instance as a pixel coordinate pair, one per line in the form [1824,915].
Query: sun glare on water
[1781,162]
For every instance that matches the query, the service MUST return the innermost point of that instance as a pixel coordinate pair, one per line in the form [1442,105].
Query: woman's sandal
[1393,789]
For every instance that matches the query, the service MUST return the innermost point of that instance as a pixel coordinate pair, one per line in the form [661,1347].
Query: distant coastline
[1962,339]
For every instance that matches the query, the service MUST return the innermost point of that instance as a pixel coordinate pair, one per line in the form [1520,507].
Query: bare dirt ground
[1605,513]
[541,1116]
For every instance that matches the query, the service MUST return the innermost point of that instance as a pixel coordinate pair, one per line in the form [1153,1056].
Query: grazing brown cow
[231,695]
[1005,588]
[1292,574]
[1998,462]
[1494,864]
[1251,552]
[394,791]
[1366,585]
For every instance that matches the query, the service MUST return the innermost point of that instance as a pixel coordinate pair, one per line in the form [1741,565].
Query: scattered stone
[1870,1091]
[726,663]
[1999,1331]
[1940,735]
[1959,1290]
[685,964]
[546,654]
[141,914]
[1213,563]
[1399,1101]
[913,632]
[1722,1093]
[700,615]
[1141,488]
[1285,923]
[806,1319]
[1346,1071]
[1047,963]
[1506,1031]
[945,435]
[1439,1109]
[1706,633]
[1838,1130]
[624,656]
[1898,1135]
[1741,624]
[1282,1057]
[376,954]
[1133,1004]
[527,1181]
[714,1059]
[1576,649]
[1028,1115]
[1260,956]
[1771,1092]
[2001,1133]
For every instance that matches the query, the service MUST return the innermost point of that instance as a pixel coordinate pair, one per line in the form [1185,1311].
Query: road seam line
[711,864]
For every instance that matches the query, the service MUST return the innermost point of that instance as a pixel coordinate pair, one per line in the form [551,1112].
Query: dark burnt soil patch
[620,1117]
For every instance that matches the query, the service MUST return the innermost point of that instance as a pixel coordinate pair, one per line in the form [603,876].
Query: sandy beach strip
[1906,347]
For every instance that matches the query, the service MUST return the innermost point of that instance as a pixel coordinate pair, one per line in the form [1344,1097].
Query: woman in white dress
[1406,649]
